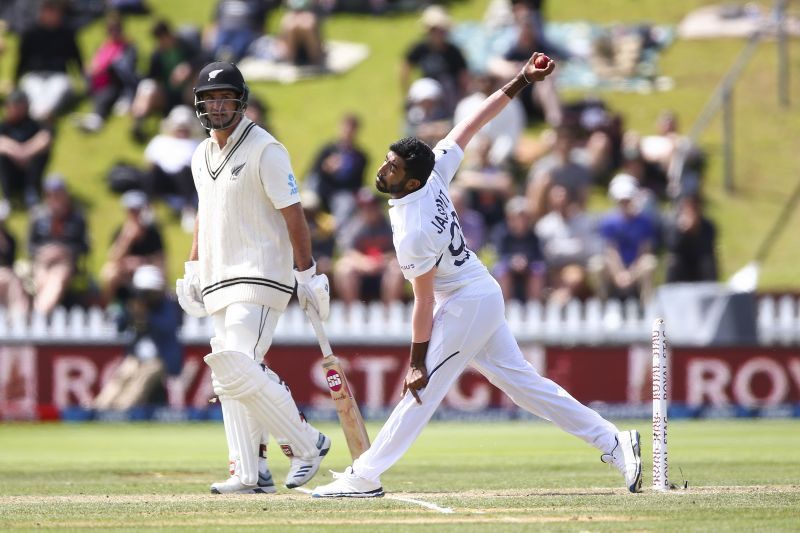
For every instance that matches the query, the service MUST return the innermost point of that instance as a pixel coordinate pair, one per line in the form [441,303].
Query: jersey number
[457,236]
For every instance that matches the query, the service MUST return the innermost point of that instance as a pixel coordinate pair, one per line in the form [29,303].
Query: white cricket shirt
[243,245]
[426,232]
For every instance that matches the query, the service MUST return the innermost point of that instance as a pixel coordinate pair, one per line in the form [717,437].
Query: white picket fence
[580,323]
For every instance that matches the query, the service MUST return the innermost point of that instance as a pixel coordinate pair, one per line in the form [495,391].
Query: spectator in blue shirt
[627,265]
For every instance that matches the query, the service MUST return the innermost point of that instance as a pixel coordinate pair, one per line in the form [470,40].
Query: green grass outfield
[743,475]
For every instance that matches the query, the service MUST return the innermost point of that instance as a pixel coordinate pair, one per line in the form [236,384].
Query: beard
[384,187]
[381,185]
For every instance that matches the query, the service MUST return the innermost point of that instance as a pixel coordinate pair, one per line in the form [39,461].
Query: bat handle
[319,331]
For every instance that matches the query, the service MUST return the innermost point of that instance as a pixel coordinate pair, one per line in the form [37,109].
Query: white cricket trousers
[469,328]
[246,328]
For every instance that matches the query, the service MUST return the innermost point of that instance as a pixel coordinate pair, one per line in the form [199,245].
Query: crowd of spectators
[524,210]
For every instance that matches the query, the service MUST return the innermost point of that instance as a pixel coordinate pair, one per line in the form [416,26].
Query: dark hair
[161,29]
[418,157]
[352,119]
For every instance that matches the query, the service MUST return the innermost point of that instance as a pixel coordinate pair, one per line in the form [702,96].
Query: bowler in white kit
[458,318]
[250,230]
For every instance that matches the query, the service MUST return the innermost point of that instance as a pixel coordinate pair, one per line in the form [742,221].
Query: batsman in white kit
[250,229]
[458,318]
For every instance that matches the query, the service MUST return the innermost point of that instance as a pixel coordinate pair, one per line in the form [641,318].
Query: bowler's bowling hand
[416,380]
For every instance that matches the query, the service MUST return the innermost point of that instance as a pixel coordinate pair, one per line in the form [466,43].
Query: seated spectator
[169,77]
[627,265]
[149,321]
[135,243]
[650,175]
[568,239]
[12,293]
[24,151]
[691,243]
[301,33]
[489,186]
[367,268]
[129,7]
[111,76]
[169,156]
[374,7]
[472,225]
[322,227]
[503,131]
[437,58]
[541,98]
[682,161]
[46,51]
[427,117]
[237,23]
[599,134]
[520,268]
[57,243]
[567,165]
[338,171]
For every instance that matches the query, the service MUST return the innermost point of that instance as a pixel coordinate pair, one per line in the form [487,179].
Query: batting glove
[188,291]
[313,291]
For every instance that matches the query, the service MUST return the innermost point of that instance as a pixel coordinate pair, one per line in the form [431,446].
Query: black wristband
[512,88]
[418,352]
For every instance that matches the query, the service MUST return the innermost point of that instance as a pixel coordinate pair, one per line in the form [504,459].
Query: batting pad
[243,436]
[268,402]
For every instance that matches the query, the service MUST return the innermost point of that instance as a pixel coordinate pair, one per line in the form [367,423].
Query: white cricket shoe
[234,486]
[626,456]
[302,470]
[348,485]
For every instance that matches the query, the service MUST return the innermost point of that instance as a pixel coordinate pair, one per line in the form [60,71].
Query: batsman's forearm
[193,254]
[299,235]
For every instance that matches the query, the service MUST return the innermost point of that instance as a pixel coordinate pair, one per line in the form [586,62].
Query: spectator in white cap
[436,57]
[169,155]
[627,264]
[135,243]
[148,322]
[427,116]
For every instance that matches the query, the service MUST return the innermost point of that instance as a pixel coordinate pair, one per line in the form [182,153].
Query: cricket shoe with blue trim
[627,457]
[234,486]
[302,470]
[348,485]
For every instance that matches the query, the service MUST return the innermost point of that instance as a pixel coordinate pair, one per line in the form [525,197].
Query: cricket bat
[346,407]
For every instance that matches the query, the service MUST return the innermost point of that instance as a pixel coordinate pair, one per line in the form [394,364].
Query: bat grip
[319,331]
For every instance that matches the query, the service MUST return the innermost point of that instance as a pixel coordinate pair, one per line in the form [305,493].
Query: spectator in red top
[111,74]
[367,268]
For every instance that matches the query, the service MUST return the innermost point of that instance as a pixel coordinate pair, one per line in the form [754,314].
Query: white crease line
[427,505]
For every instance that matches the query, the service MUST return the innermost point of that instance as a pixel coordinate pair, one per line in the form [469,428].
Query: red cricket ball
[542,61]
